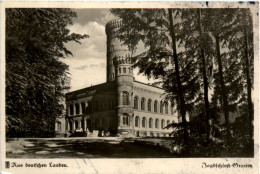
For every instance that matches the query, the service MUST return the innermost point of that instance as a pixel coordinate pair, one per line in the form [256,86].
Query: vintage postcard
[129,87]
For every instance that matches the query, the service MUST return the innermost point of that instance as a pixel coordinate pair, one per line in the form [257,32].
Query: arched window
[150,122]
[143,104]
[119,70]
[125,98]
[157,123]
[136,102]
[125,119]
[162,124]
[83,107]
[144,122]
[172,109]
[77,108]
[168,122]
[71,110]
[161,107]
[124,70]
[149,105]
[136,121]
[166,108]
[155,106]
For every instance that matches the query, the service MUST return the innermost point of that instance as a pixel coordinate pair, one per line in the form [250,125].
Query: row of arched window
[95,106]
[124,70]
[151,123]
[162,109]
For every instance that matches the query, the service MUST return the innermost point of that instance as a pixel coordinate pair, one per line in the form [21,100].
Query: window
[83,107]
[168,122]
[156,123]
[162,124]
[150,105]
[124,70]
[136,102]
[125,98]
[150,122]
[71,110]
[161,107]
[166,108]
[119,70]
[125,119]
[137,121]
[172,109]
[77,108]
[144,122]
[143,104]
[155,106]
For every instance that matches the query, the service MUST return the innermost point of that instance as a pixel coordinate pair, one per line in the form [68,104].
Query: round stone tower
[119,69]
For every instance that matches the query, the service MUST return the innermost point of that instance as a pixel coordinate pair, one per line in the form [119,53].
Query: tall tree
[241,45]
[36,79]
[198,44]
[162,58]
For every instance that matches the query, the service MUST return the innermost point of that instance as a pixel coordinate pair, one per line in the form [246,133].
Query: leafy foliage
[226,69]
[36,79]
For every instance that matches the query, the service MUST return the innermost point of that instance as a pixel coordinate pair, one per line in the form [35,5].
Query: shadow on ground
[84,148]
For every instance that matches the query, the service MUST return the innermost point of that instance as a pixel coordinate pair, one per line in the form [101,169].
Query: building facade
[122,105]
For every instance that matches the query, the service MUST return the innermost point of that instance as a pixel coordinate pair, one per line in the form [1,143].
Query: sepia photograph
[126,83]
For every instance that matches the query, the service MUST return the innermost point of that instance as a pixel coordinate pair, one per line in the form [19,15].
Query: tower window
[124,70]
[155,106]
[125,98]
[136,102]
[149,105]
[125,119]
[143,104]
[119,70]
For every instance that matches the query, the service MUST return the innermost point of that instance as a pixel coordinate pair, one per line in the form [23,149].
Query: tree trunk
[181,102]
[223,90]
[249,87]
[205,79]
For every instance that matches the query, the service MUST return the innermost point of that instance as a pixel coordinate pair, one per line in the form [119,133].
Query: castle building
[121,105]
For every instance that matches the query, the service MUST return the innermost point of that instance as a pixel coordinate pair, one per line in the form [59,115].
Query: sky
[87,66]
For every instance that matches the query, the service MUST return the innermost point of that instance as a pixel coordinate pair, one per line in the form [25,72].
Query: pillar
[85,125]
[79,124]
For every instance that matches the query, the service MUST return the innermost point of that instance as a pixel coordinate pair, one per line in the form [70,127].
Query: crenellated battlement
[113,24]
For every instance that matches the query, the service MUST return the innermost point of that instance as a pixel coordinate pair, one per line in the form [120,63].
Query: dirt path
[113,147]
